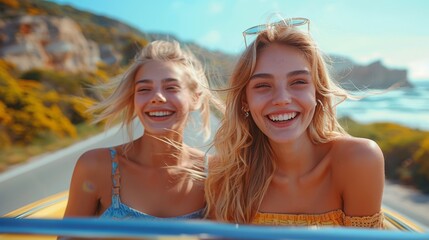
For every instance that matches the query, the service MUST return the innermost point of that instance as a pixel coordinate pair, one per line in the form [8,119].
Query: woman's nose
[158,98]
[281,97]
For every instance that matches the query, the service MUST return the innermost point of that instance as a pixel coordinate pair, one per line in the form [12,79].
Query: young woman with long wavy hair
[282,158]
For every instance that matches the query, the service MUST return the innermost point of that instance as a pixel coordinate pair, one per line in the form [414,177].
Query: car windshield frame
[201,229]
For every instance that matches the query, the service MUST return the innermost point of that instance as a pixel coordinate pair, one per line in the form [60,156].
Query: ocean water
[405,106]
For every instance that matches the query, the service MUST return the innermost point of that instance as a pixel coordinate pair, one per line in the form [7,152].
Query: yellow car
[43,220]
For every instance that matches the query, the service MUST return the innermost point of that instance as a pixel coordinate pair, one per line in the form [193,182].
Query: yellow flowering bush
[406,150]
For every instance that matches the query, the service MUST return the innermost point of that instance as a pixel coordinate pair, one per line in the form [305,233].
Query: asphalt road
[407,201]
[51,173]
[46,174]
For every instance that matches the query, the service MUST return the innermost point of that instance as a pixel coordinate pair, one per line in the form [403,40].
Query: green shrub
[420,172]
[33,74]
[406,150]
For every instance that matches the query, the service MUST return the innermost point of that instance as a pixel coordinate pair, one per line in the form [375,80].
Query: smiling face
[281,95]
[162,98]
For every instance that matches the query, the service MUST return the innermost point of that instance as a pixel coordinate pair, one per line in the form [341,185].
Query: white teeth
[160,113]
[282,117]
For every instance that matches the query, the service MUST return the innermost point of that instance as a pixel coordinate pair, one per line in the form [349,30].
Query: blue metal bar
[104,228]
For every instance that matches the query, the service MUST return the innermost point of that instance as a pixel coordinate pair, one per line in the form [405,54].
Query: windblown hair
[120,91]
[241,173]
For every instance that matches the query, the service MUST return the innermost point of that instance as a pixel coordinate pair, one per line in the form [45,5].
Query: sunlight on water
[408,107]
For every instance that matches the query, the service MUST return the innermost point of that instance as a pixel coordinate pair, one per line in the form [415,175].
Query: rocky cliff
[47,42]
[375,75]
[63,38]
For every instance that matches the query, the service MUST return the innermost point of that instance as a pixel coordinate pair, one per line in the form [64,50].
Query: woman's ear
[245,109]
[244,106]
[196,101]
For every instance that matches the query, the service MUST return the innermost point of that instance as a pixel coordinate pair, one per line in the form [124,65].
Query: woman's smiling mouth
[160,113]
[282,117]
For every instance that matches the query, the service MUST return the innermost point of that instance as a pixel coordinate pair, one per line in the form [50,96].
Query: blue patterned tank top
[118,210]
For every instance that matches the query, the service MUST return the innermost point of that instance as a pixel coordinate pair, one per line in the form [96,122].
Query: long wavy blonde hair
[119,92]
[242,170]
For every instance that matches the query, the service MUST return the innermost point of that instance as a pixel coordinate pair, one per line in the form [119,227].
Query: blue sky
[395,31]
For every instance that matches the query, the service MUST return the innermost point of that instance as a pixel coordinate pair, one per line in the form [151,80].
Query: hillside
[25,23]
[114,42]
[49,55]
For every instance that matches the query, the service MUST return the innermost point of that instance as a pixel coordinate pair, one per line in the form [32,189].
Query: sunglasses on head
[285,22]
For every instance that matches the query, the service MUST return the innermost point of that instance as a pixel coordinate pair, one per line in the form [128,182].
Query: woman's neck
[155,151]
[296,159]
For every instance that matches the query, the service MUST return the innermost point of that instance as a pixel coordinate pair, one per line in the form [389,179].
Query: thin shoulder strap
[116,176]
[206,161]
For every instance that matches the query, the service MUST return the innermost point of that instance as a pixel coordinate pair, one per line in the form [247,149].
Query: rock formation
[47,42]
[375,75]
[58,43]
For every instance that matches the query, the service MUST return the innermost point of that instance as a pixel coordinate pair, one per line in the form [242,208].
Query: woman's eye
[143,89]
[173,88]
[261,85]
[299,82]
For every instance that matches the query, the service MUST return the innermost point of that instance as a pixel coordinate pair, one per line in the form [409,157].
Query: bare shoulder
[93,164]
[350,153]
[94,158]
[358,170]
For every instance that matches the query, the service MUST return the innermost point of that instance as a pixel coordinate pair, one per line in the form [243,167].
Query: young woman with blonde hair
[281,156]
[140,179]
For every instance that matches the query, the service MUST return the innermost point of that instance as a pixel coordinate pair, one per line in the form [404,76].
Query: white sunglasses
[285,22]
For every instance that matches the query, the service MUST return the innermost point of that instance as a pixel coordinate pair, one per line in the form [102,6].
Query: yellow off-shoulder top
[332,218]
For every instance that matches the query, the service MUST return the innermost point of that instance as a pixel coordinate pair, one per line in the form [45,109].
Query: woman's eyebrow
[298,72]
[144,81]
[289,75]
[261,75]
[167,80]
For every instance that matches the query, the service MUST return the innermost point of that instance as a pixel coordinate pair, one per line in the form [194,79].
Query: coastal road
[408,202]
[47,174]
[51,173]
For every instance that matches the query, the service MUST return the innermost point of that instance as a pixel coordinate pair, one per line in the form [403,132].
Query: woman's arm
[84,195]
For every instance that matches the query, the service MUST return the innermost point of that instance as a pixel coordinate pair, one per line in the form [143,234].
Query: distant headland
[60,37]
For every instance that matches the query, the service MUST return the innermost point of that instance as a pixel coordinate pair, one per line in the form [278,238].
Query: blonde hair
[120,91]
[241,174]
